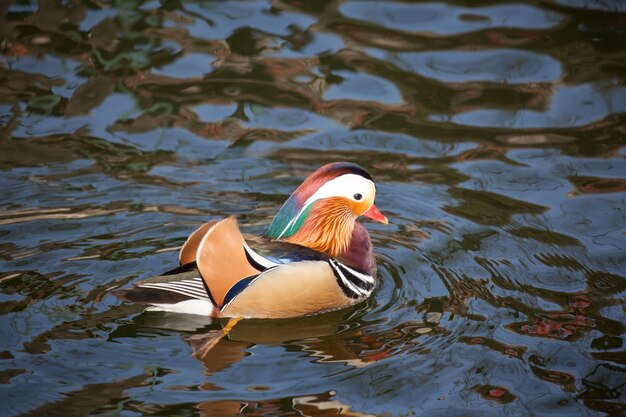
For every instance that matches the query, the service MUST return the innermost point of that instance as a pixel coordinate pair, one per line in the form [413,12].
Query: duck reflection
[343,336]
[314,404]
[334,337]
[325,336]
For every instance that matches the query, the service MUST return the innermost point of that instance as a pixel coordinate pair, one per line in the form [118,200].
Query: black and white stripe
[257,261]
[193,287]
[353,283]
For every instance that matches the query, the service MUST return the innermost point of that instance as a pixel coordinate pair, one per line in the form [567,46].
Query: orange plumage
[328,228]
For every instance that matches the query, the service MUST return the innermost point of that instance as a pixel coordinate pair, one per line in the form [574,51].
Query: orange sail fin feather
[313,258]
[188,252]
[221,259]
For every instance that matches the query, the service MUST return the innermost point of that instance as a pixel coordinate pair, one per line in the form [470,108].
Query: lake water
[495,132]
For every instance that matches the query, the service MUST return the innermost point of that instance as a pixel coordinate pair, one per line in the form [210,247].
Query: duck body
[313,258]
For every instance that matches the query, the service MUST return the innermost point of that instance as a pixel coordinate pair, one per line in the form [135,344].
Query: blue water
[495,132]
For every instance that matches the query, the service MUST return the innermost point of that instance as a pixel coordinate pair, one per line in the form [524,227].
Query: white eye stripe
[347,185]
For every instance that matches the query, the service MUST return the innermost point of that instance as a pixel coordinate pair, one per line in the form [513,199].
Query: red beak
[374,214]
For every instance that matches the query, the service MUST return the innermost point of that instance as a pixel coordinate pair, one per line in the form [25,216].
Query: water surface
[495,132]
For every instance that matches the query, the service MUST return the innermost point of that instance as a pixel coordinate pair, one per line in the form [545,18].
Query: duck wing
[267,253]
[181,289]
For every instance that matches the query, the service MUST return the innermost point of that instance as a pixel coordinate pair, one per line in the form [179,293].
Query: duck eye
[357,196]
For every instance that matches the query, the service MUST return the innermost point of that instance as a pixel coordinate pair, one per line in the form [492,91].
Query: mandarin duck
[313,258]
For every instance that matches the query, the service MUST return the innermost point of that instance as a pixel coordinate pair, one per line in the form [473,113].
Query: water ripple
[495,133]
[445,19]
[508,66]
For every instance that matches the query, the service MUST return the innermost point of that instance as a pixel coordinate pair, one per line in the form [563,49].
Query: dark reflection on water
[495,132]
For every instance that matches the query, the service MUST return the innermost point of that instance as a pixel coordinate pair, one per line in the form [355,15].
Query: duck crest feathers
[294,212]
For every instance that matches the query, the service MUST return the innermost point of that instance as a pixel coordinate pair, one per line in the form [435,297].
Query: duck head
[321,213]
